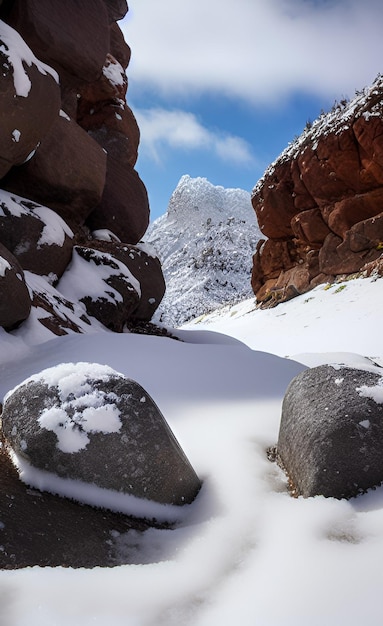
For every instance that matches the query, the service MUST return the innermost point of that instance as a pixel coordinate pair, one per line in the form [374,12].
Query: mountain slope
[205,242]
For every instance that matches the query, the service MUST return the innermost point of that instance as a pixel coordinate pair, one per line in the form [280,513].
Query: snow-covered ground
[244,552]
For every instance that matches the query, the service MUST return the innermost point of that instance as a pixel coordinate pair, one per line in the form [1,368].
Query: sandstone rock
[124,206]
[273,203]
[309,227]
[116,129]
[350,211]
[105,286]
[15,301]
[66,174]
[117,9]
[68,36]
[320,193]
[29,99]
[110,86]
[86,422]
[39,239]
[118,46]
[331,434]
[336,256]
[143,263]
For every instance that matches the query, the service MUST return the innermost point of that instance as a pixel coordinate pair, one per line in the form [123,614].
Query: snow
[79,409]
[4,266]
[14,47]
[375,392]
[54,229]
[85,278]
[245,551]
[16,134]
[205,243]
[114,72]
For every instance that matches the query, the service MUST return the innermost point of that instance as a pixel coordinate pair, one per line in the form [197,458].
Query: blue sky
[219,88]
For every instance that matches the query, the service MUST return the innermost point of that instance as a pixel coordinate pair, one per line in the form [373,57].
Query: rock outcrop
[320,204]
[68,148]
[88,423]
[331,434]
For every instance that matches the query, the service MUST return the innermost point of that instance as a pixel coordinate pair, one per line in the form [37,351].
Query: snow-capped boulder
[38,237]
[67,172]
[86,422]
[143,263]
[105,286]
[331,434]
[205,243]
[29,99]
[15,301]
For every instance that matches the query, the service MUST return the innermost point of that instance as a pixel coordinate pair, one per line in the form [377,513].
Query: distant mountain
[205,242]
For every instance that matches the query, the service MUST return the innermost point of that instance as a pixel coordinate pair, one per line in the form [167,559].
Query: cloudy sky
[219,88]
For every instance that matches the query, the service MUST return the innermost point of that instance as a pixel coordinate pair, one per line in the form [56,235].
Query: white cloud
[182,130]
[257,50]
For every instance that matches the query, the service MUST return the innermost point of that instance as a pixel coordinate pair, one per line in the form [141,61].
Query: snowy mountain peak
[196,201]
[205,242]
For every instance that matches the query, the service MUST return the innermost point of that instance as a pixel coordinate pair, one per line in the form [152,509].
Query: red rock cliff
[320,204]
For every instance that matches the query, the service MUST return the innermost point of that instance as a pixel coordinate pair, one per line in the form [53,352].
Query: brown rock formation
[321,202]
[68,147]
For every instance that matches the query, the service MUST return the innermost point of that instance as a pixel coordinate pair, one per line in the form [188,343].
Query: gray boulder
[87,422]
[331,434]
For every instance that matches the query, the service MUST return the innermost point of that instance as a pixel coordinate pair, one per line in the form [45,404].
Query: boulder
[69,36]
[39,239]
[144,264]
[29,99]
[15,301]
[124,206]
[331,434]
[111,87]
[118,46]
[105,286]
[66,174]
[88,423]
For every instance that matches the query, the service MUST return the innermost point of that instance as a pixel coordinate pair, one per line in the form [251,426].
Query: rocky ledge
[320,204]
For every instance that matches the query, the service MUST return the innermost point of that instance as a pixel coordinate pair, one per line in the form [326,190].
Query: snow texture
[81,409]
[13,46]
[114,72]
[245,552]
[54,227]
[4,266]
[88,278]
[205,243]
